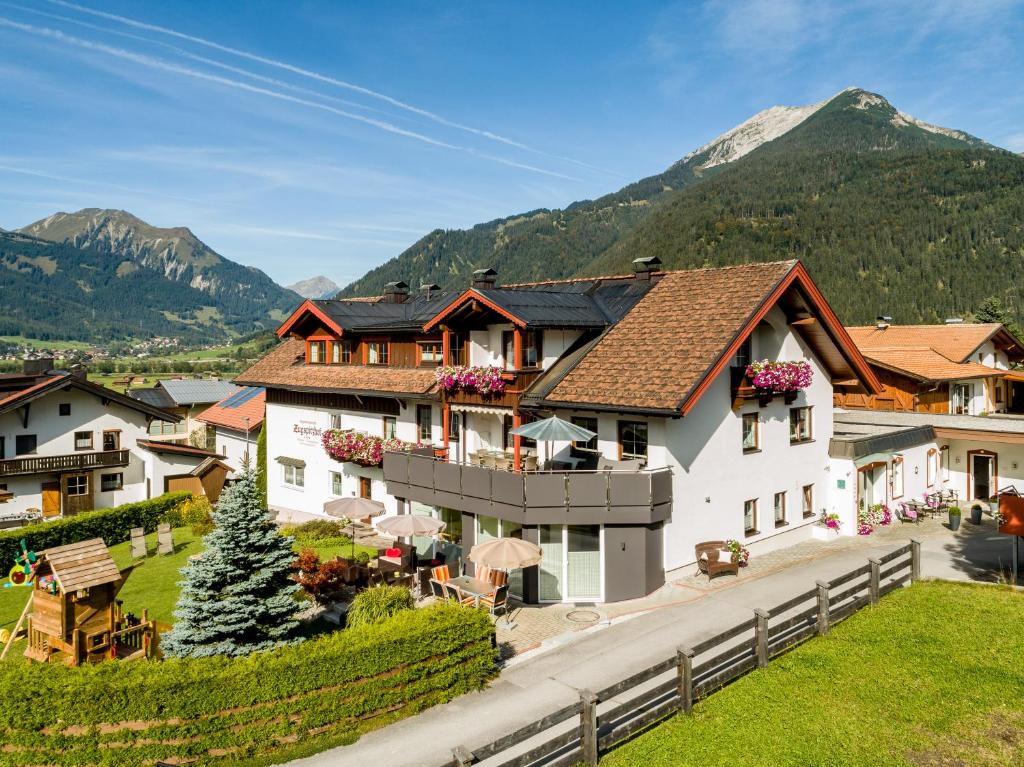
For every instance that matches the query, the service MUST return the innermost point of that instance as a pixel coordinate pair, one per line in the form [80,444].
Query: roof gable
[955,342]
[241,411]
[82,565]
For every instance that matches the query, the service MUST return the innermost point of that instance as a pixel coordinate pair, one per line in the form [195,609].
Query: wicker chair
[708,562]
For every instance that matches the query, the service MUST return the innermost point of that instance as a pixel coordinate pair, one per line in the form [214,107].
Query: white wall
[1010,465]
[235,447]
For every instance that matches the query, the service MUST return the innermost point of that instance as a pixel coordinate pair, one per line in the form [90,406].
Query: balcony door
[571,563]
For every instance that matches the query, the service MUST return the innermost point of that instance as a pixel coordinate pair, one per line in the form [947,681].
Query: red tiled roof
[928,365]
[173,447]
[662,349]
[954,342]
[248,415]
[285,368]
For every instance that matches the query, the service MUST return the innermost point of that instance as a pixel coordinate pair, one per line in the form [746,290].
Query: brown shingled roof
[662,349]
[955,342]
[928,365]
[284,368]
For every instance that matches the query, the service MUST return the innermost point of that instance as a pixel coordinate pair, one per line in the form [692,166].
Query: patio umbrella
[408,525]
[353,508]
[505,553]
[554,429]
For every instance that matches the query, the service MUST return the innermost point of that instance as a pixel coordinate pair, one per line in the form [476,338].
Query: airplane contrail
[323,78]
[155,63]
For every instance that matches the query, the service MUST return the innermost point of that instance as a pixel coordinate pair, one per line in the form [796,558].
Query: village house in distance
[655,363]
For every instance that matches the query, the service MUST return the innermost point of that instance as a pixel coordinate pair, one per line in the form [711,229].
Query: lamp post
[246,461]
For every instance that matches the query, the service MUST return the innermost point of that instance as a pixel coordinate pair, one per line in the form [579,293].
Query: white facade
[237,447]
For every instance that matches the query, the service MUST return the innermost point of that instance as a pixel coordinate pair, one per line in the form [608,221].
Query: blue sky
[324,138]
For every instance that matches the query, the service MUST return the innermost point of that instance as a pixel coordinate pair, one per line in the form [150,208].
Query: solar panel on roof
[240,398]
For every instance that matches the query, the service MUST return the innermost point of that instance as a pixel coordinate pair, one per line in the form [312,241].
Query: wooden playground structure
[73,615]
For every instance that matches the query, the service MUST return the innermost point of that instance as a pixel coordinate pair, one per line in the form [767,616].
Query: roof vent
[484,279]
[427,289]
[643,267]
[954,320]
[396,292]
[884,321]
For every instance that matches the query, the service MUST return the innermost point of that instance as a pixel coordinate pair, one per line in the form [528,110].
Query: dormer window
[378,353]
[531,349]
[317,354]
[430,352]
[341,352]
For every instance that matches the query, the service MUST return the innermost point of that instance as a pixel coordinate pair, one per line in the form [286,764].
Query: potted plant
[993,504]
[740,553]
[976,514]
[954,518]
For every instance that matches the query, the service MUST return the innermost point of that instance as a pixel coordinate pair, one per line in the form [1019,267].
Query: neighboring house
[892,457]
[236,421]
[958,368]
[653,362]
[172,467]
[185,398]
[68,445]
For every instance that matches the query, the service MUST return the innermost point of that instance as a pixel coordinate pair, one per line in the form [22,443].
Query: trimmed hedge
[298,698]
[112,525]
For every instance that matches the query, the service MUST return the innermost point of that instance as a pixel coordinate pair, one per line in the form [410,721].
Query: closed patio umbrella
[353,508]
[505,554]
[408,525]
[553,429]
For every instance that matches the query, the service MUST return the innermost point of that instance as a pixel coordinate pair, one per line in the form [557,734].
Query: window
[745,354]
[336,484]
[458,349]
[112,440]
[780,509]
[799,425]
[424,423]
[109,482]
[83,440]
[808,501]
[341,352]
[944,462]
[365,487]
[430,352]
[632,440]
[78,484]
[335,420]
[931,466]
[25,444]
[454,426]
[960,398]
[584,449]
[751,432]
[64,408]
[378,353]
[317,352]
[294,475]
[390,427]
[897,476]
[532,355]
[750,517]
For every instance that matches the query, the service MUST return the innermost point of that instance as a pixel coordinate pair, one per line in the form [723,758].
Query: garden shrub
[321,580]
[195,512]
[306,696]
[112,525]
[378,604]
[315,529]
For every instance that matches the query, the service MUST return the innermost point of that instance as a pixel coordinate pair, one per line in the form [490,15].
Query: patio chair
[486,460]
[906,514]
[496,601]
[499,577]
[455,596]
[473,459]
[437,589]
[164,540]
[530,463]
[714,559]
[440,574]
[484,573]
[138,538]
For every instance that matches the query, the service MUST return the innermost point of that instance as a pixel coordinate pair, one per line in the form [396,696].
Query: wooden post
[915,561]
[761,637]
[463,756]
[588,727]
[873,584]
[517,420]
[684,685]
[823,616]
[17,626]
[446,345]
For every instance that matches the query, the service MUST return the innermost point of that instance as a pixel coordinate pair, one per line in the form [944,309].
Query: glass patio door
[583,563]
[552,564]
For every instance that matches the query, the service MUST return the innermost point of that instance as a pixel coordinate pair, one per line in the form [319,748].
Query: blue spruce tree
[237,598]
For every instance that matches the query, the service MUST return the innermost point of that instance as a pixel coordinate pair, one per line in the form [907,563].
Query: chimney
[954,320]
[396,292]
[883,321]
[79,372]
[427,289]
[37,366]
[644,267]
[484,279]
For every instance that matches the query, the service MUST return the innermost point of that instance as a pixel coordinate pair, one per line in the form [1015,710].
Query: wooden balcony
[48,464]
[743,390]
[516,382]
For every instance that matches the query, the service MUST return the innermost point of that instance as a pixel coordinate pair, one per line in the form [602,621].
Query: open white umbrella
[505,553]
[553,429]
[353,508]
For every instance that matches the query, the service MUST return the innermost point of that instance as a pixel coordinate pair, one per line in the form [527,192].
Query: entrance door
[570,567]
[51,498]
[982,474]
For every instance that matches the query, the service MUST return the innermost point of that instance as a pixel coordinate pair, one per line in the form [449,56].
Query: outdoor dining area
[932,504]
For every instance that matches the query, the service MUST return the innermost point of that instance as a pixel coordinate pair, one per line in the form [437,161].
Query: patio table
[467,584]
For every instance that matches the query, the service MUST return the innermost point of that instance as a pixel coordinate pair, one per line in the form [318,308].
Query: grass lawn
[932,676]
[153,584]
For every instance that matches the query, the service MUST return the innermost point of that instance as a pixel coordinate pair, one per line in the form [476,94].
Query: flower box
[485,380]
[787,378]
[347,446]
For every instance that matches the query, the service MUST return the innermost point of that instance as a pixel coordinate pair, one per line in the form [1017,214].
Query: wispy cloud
[297,234]
[50,176]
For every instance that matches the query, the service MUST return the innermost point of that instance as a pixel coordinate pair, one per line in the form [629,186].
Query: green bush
[954,511]
[112,525]
[362,557]
[196,513]
[305,696]
[315,529]
[378,604]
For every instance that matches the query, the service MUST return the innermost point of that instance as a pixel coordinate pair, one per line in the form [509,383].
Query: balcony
[516,382]
[742,390]
[563,497]
[48,464]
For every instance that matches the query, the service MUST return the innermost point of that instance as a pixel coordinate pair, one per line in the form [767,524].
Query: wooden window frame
[807,499]
[420,437]
[321,346]
[944,472]
[92,441]
[84,490]
[385,420]
[757,432]
[809,409]
[117,439]
[385,343]
[420,348]
[785,510]
[752,530]
[578,449]
[365,487]
[897,460]
[623,455]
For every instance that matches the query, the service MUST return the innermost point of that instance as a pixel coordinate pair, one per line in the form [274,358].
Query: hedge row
[298,698]
[112,525]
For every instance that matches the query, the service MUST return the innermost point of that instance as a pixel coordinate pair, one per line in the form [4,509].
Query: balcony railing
[43,464]
[562,497]
[516,382]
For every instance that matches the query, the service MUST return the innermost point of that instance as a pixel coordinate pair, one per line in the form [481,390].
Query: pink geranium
[779,377]
[347,446]
[483,380]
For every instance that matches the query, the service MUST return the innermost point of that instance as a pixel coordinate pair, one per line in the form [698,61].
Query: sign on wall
[307,433]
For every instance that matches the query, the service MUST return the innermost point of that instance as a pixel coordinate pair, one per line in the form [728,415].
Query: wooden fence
[580,732]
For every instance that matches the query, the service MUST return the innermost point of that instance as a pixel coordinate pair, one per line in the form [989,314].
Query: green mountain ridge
[94,264]
[890,214]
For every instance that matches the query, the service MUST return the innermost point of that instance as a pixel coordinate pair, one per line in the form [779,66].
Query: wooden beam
[845,382]
[804,321]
